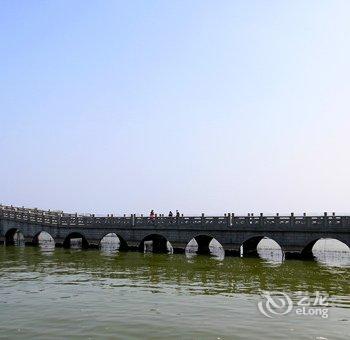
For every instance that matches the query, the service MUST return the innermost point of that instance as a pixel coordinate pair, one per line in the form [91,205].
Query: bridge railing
[59,218]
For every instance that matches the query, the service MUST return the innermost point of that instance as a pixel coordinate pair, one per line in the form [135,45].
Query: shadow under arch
[75,235]
[11,239]
[155,243]
[203,245]
[250,246]
[123,245]
[307,252]
[47,238]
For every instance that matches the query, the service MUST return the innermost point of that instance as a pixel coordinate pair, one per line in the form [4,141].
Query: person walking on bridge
[152,215]
[177,216]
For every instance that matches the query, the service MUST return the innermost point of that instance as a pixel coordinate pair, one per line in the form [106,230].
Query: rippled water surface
[58,293]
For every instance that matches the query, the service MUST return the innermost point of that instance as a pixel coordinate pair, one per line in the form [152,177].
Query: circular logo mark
[275,303]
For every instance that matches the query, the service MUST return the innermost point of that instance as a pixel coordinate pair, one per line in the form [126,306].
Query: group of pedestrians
[153,216]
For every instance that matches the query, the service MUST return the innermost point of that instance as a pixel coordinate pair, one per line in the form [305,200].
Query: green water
[58,293]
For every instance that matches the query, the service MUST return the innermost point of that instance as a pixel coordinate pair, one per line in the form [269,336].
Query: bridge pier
[59,242]
[180,250]
[178,247]
[94,245]
[28,241]
[203,242]
[297,252]
[292,255]
[298,256]
[232,252]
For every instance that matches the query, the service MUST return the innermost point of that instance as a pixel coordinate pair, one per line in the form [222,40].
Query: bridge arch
[43,237]
[116,241]
[67,243]
[254,245]
[205,244]
[308,250]
[14,236]
[155,243]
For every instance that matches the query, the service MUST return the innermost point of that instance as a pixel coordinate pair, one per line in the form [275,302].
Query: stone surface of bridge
[296,235]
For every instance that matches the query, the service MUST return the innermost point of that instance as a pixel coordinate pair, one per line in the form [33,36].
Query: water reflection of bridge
[296,235]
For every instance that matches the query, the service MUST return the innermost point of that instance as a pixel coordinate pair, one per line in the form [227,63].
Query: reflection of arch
[10,236]
[156,243]
[203,243]
[307,250]
[123,245]
[36,237]
[67,240]
[251,244]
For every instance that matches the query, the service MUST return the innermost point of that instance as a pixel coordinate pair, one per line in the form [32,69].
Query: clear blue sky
[213,106]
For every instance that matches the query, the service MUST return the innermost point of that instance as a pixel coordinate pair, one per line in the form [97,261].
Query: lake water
[48,292]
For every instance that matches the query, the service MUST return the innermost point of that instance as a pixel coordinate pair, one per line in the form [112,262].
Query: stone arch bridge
[296,235]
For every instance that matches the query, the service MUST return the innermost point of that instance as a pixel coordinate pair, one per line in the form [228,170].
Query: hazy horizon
[202,106]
